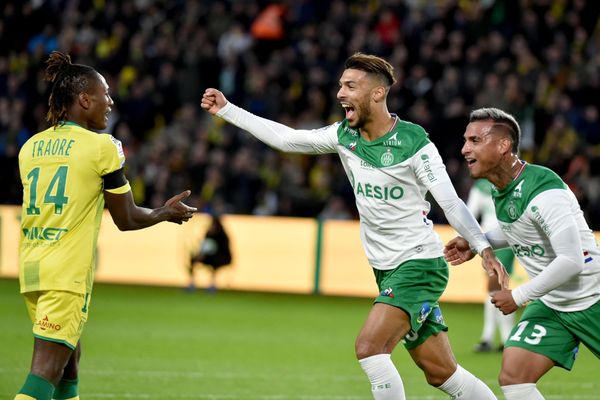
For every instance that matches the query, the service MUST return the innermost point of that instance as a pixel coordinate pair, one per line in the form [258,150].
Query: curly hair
[69,80]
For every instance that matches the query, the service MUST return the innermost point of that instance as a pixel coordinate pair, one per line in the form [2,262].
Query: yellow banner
[269,254]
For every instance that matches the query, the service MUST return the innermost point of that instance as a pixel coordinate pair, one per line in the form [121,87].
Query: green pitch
[163,343]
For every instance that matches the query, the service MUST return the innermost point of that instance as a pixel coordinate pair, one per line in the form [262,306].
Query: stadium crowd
[537,59]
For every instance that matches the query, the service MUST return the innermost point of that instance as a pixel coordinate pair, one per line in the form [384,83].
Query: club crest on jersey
[351,146]
[387,292]
[387,158]
[512,210]
[423,313]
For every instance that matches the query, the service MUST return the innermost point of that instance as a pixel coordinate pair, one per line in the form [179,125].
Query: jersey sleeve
[429,167]
[282,137]
[431,172]
[551,211]
[112,158]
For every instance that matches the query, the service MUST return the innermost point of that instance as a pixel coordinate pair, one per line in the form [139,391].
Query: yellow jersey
[61,171]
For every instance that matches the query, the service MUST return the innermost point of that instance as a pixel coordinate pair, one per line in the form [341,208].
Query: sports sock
[35,387]
[523,391]
[67,389]
[489,322]
[463,385]
[386,383]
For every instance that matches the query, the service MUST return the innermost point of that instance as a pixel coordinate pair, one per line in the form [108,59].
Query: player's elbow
[574,264]
[124,223]
[123,226]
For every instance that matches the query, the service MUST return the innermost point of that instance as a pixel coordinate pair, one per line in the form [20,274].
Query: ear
[505,145]
[84,100]
[378,94]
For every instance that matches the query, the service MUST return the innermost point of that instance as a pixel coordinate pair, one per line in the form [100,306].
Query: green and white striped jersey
[390,177]
[534,207]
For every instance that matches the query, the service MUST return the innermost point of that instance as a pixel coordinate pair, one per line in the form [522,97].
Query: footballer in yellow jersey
[68,172]
[62,172]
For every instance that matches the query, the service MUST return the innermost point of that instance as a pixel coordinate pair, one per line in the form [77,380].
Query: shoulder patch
[119,147]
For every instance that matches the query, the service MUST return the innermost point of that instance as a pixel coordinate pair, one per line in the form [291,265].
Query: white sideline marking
[287,397]
[217,375]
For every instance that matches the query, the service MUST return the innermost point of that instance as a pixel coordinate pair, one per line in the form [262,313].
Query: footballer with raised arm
[391,165]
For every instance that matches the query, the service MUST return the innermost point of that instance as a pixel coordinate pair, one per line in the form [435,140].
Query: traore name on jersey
[52,147]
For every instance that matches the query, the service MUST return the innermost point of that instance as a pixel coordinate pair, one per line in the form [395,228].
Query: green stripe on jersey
[395,147]
[512,201]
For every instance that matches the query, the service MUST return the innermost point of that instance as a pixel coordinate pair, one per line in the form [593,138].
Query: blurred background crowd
[538,59]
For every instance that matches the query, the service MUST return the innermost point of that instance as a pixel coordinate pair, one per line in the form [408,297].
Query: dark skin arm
[129,216]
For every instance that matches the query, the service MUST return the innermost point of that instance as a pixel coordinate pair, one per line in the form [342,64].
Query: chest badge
[387,158]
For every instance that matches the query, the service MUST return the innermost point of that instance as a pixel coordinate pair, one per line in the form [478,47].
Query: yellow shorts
[58,316]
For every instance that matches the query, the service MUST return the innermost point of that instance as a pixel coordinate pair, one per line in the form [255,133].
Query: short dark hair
[68,81]
[372,65]
[503,120]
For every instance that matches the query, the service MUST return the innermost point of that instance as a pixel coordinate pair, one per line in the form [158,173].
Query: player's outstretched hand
[177,210]
[213,100]
[504,301]
[457,251]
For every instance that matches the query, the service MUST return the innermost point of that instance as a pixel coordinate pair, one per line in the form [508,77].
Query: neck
[75,117]
[507,172]
[378,126]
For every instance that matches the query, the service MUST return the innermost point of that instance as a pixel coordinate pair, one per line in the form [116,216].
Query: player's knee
[437,375]
[366,348]
[509,377]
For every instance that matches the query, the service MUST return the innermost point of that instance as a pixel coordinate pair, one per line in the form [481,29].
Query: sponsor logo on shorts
[575,351]
[423,313]
[437,313]
[387,292]
[45,323]
[411,336]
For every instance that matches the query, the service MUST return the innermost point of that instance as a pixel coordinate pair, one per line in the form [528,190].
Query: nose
[465,149]
[340,93]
